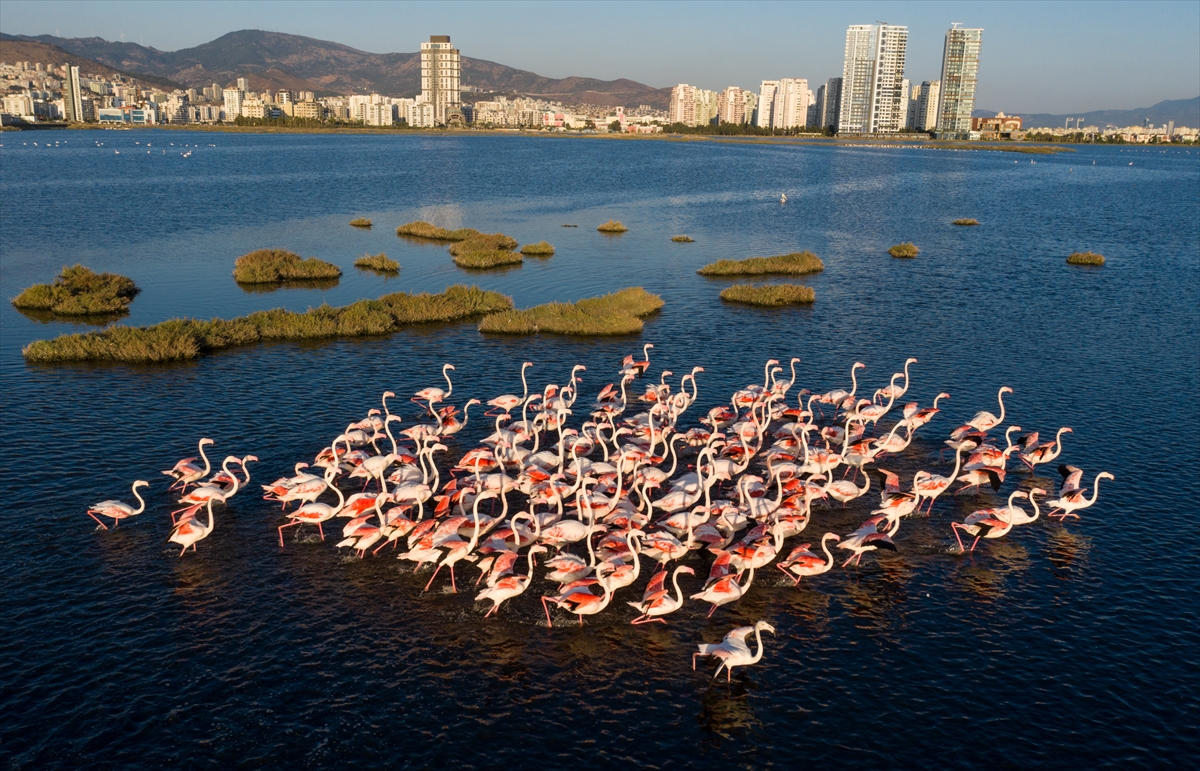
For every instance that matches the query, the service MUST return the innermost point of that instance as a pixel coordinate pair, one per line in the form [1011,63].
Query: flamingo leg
[435,572]
[453,585]
[714,610]
[293,523]
[976,542]
[321,530]
[546,607]
[101,524]
[954,529]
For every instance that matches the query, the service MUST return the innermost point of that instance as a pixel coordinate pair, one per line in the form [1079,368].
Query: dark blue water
[1059,644]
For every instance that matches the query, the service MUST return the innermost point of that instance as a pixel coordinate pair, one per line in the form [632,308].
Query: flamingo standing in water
[1072,501]
[988,523]
[432,395]
[657,601]
[985,421]
[314,513]
[723,590]
[929,485]
[869,538]
[186,472]
[189,531]
[1044,453]
[734,650]
[119,510]
[802,562]
[510,586]
[507,402]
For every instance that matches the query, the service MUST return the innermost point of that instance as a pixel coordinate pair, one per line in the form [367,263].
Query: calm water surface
[1059,644]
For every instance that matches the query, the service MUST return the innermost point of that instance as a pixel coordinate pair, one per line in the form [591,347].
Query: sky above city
[1056,57]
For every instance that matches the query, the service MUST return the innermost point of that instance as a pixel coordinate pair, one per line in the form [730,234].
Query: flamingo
[869,538]
[456,548]
[509,586]
[1044,453]
[734,650]
[185,472]
[986,523]
[314,513]
[657,601]
[723,590]
[918,417]
[985,421]
[432,395]
[188,531]
[1072,501]
[579,601]
[118,510]
[894,391]
[506,402]
[802,562]
[928,485]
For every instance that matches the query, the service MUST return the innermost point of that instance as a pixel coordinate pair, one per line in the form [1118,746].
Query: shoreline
[899,141]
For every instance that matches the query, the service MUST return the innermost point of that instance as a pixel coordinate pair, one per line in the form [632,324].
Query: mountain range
[274,60]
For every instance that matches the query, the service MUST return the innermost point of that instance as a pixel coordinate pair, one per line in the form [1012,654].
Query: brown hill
[14,50]
[276,60]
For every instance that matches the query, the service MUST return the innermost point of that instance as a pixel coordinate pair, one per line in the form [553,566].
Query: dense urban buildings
[960,71]
[872,96]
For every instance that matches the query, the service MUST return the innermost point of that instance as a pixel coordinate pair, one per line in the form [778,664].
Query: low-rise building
[999,127]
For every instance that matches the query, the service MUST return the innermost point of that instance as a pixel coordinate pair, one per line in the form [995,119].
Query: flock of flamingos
[608,495]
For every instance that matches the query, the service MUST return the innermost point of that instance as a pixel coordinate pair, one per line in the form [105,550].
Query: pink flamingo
[118,510]
[734,650]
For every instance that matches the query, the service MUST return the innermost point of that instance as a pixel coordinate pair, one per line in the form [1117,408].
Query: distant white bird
[783,197]
[734,650]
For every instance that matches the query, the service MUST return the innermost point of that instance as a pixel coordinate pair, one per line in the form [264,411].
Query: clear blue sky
[1056,57]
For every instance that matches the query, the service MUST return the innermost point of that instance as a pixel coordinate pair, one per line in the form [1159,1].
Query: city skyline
[1124,57]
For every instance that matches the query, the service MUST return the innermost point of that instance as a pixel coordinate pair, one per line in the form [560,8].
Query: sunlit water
[1057,644]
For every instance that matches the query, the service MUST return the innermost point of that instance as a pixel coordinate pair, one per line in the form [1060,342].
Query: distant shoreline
[900,141]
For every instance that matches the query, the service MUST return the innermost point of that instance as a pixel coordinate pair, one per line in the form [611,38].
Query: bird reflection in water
[725,712]
[1068,552]
[878,594]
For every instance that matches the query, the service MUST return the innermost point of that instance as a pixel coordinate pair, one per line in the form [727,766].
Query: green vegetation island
[540,249]
[795,264]
[380,263]
[183,339]
[361,222]
[769,295]
[906,250]
[1085,258]
[613,226]
[619,313]
[273,266]
[79,291]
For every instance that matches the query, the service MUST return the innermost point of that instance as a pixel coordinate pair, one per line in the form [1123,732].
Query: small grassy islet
[431,232]
[183,339]
[1085,258]
[770,295]
[484,251]
[266,266]
[619,313]
[377,262]
[905,250]
[361,222]
[966,222]
[682,239]
[612,226]
[796,263]
[79,291]
[540,249]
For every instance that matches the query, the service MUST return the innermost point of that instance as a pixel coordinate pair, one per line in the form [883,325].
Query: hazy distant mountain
[276,60]
[1185,112]
[13,50]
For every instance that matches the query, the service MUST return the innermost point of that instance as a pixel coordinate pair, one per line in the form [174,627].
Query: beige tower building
[441,71]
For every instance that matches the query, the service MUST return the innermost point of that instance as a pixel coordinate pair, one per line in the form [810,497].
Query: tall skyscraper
[766,102]
[960,71]
[731,106]
[831,102]
[243,85]
[72,96]
[872,99]
[233,102]
[927,103]
[441,70]
[791,104]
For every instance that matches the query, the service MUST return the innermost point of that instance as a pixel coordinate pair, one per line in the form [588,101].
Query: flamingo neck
[141,501]
[828,555]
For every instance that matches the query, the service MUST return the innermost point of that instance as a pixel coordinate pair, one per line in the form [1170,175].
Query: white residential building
[692,106]
[791,104]
[766,102]
[960,72]
[72,95]
[233,102]
[441,71]
[873,99]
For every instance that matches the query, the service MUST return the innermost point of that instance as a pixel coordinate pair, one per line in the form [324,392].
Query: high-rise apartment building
[72,95]
[233,102]
[791,104]
[960,71]
[731,106]
[872,98]
[441,72]
[766,102]
[831,102]
[927,95]
[692,106]
[243,85]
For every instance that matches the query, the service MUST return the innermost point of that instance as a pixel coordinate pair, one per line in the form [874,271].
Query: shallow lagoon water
[1057,644]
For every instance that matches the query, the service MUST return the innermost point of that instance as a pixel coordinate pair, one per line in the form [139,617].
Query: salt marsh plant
[361,222]
[378,262]
[905,250]
[1085,258]
[682,239]
[484,251]
[540,249]
[619,313]
[771,295]
[78,291]
[266,266]
[181,339]
[612,226]
[796,263]
[434,233]
[966,222]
